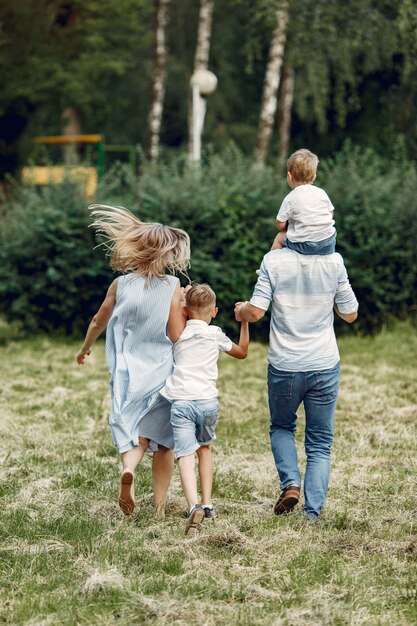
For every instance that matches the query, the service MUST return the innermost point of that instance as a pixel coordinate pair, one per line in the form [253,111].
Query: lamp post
[203,83]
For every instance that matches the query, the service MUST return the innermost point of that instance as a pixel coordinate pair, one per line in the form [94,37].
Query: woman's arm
[99,322]
[177,317]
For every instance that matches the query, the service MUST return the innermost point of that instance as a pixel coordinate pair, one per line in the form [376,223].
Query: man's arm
[347,317]
[345,302]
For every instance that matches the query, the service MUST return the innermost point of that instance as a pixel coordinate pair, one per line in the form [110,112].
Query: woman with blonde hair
[142,312]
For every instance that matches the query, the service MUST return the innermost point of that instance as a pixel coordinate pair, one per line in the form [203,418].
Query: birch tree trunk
[158,80]
[71,125]
[271,84]
[284,113]
[67,16]
[201,58]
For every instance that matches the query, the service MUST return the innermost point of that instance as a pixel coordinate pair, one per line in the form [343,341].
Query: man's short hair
[200,297]
[302,165]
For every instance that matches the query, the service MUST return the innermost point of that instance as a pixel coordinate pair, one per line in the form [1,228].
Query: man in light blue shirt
[303,358]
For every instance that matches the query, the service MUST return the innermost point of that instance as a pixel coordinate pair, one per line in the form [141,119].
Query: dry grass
[68,556]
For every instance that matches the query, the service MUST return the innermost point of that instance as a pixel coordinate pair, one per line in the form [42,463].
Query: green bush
[51,277]
[376,213]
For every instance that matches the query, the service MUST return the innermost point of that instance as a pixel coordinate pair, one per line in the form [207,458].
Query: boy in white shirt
[305,218]
[192,390]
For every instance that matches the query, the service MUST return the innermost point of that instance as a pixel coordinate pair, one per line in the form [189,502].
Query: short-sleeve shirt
[195,362]
[309,213]
[303,290]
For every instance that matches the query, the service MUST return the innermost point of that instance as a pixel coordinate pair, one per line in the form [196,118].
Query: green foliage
[92,56]
[375,212]
[332,47]
[51,278]
[355,71]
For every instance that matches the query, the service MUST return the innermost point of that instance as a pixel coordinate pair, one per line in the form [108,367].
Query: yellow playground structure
[87,176]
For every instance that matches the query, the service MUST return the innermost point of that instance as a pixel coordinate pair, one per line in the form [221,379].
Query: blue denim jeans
[318,391]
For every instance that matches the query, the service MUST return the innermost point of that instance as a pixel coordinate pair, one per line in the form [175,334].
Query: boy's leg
[208,413]
[183,420]
[189,486]
[205,469]
[279,241]
[162,467]
[188,479]
[184,427]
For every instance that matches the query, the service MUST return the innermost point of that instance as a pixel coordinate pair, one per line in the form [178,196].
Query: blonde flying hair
[200,297]
[302,165]
[149,249]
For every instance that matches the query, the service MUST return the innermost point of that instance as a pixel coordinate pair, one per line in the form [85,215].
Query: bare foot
[126,495]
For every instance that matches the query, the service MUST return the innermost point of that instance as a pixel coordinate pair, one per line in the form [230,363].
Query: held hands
[238,307]
[81,356]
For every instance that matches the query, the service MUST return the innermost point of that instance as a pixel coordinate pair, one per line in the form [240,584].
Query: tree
[91,64]
[354,65]
[285,112]
[201,54]
[271,83]
[158,79]
[333,47]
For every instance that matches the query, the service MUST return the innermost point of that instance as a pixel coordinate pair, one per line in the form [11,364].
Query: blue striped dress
[139,357]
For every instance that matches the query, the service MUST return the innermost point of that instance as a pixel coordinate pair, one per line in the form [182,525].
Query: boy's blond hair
[201,298]
[149,249]
[302,165]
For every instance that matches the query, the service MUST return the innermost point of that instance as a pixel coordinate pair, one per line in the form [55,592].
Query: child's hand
[81,356]
[183,294]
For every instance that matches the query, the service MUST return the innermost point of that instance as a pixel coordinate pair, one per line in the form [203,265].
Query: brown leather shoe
[288,499]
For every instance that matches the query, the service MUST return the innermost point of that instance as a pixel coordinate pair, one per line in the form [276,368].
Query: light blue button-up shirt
[303,290]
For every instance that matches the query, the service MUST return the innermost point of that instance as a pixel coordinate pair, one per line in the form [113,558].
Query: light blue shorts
[326,246]
[193,423]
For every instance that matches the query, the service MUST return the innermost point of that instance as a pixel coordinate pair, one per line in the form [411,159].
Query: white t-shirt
[309,213]
[195,356]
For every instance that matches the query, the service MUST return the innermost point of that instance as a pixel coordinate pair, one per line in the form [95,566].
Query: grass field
[68,556]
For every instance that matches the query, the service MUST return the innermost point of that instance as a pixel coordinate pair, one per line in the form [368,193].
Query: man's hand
[246,312]
[238,306]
